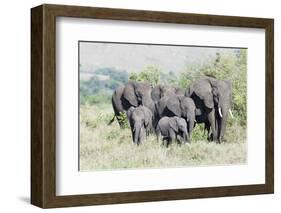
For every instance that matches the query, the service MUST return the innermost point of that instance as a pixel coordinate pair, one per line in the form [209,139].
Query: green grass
[105,147]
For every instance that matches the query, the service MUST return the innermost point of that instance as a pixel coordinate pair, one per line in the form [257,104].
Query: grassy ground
[108,147]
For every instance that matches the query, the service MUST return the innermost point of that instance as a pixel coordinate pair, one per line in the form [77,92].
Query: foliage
[123,119]
[100,97]
[98,90]
[149,74]
[199,133]
[116,76]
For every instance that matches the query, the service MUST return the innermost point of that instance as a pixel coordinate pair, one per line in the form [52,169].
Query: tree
[149,74]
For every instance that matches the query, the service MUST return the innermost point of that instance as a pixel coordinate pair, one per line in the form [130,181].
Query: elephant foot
[187,144]
[221,140]
[210,138]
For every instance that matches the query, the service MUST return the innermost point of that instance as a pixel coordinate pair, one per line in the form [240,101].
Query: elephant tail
[111,121]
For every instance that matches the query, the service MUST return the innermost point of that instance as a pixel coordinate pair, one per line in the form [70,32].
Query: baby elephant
[140,119]
[172,129]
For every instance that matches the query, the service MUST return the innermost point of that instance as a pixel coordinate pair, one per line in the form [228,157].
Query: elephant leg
[212,121]
[172,135]
[169,141]
[207,128]
[164,141]
[218,127]
[158,134]
[142,135]
[222,128]
[180,139]
[147,132]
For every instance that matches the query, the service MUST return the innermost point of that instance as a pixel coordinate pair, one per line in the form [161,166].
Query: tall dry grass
[105,147]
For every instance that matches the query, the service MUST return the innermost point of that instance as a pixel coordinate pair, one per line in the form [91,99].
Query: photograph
[161,106]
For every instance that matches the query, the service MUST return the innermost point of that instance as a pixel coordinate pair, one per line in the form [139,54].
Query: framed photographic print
[136,106]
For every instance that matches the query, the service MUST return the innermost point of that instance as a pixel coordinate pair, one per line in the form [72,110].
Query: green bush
[198,133]
[149,74]
[123,119]
[99,98]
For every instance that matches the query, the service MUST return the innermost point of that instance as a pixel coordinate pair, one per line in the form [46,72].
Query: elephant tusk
[220,112]
[230,112]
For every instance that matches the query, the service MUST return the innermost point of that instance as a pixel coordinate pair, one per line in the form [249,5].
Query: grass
[104,147]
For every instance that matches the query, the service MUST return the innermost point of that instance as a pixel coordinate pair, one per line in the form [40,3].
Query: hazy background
[135,57]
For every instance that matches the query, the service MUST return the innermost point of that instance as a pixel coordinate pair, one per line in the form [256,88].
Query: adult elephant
[133,94]
[180,106]
[212,98]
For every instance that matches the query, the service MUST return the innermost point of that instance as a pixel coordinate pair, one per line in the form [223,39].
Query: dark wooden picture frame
[43,105]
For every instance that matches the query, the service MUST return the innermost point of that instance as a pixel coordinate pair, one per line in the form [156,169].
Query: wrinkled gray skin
[159,91]
[177,105]
[212,96]
[172,129]
[132,94]
[140,119]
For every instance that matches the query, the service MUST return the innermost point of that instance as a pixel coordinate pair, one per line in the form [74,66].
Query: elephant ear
[129,95]
[173,105]
[208,101]
[130,111]
[203,89]
[173,124]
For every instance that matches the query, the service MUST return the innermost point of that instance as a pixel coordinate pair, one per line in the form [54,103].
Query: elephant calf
[140,119]
[172,129]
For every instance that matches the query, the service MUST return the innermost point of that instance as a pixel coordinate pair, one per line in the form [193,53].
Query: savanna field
[104,147]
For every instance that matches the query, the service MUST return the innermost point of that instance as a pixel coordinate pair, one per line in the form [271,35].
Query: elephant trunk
[190,128]
[136,133]
[186,137]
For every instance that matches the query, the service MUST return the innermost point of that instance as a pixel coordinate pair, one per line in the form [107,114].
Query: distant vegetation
[97,90]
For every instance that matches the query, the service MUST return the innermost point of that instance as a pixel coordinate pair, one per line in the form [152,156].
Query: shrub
[123,119]
[149,74]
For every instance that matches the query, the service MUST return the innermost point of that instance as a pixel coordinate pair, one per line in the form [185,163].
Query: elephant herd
[171,113]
